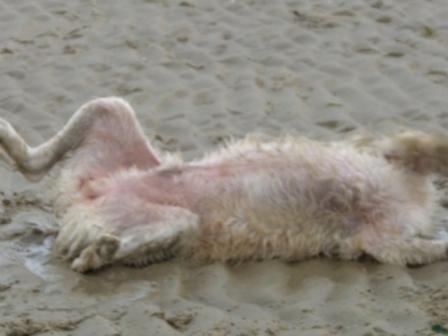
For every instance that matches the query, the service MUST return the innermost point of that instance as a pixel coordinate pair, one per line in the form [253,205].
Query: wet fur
[119,200]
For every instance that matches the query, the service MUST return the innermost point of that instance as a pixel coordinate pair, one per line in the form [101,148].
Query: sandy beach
[199,72]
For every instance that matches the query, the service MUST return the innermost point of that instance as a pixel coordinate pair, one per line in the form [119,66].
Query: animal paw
[97,254]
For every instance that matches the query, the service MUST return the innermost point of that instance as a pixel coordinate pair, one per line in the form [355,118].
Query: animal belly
[331,195]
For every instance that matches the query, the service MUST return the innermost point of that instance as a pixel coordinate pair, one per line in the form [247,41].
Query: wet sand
[198,73]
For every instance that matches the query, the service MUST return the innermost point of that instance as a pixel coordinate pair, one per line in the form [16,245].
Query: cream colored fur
[118,200]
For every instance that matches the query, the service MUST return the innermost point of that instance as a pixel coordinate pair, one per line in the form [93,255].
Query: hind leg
[170,237]
[129,231]
[97,254]
[393,249]
[101,124]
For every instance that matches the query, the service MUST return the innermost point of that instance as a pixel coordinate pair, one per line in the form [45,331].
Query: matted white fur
[119,200]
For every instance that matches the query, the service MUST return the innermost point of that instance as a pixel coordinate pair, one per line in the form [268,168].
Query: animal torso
[257,200]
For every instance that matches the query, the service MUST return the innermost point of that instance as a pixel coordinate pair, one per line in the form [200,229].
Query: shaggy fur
[120,201]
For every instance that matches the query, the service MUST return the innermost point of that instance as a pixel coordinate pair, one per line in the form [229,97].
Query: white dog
[120,201]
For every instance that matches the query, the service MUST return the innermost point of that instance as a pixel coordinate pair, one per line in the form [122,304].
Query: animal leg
[111,118]
[172,235]
[405,251]
[134,233]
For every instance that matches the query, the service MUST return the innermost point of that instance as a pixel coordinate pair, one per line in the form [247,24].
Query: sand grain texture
[198,73]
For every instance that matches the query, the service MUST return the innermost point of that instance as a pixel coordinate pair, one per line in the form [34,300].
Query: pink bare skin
[119,200]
